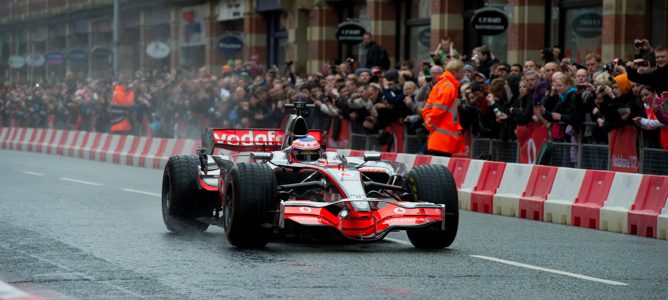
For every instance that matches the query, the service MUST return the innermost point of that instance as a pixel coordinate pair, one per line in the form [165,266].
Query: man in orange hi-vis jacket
[440,113]
[121,104]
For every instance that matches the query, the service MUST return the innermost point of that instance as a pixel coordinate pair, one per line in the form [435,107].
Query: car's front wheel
[434,183]
[250,205]
[182,202]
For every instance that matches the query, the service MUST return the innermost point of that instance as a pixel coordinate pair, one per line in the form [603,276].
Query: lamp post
[115,37]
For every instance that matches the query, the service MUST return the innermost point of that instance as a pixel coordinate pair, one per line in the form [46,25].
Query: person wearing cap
[440,113]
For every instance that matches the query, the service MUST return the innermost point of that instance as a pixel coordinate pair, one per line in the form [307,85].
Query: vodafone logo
[305,209]
[247,137]
[399,210]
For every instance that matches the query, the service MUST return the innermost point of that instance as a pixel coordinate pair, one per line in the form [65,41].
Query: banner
[192,26]
[623,150]
[531,138]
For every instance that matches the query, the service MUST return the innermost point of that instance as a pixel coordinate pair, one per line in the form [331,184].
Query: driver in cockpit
[304,150]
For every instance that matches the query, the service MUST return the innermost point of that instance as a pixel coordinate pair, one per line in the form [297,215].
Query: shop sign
[230,10]
[34,60]
[350,33]
[588,25]
[230,44]
[77,56]
[55,58]
[489,21]
[424,37]
[157,50]
[16,61]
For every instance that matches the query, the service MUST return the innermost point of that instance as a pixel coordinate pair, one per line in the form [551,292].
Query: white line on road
[579,276]
[141,192]
[32,173]
[80,181]
[398,241]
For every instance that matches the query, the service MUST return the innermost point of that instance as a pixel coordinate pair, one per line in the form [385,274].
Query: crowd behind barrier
[579,110]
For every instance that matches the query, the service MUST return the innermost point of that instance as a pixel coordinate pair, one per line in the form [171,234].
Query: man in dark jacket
[658,79]
[376,56]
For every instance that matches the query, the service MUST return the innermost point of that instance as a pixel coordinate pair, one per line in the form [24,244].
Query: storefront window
[498,44]
[582,32]
[419,31]
[659,22]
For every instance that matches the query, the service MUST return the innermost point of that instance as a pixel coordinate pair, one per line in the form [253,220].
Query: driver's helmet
[305,149]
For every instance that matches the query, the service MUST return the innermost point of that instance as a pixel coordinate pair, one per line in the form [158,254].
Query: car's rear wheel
[182,202]
[434,183]
[250,205]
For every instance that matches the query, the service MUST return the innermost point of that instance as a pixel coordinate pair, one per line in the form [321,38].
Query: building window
[418,29]
[582,32]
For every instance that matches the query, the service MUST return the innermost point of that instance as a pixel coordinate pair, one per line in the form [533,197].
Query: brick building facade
[76,35]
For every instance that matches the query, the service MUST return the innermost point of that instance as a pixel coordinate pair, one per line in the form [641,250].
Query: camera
[611,66]
[428,78]
[350,60]
[638,44]
[289,63]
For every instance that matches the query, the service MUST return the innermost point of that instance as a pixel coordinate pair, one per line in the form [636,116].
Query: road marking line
[80,181]
[398,241]
[579,276]
[32,173]
[141,192]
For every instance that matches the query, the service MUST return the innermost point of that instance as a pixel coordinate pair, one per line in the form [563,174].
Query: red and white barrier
[614,213]
[557,207]
[586,209]
[468,170]
[513,184]
[482,195]
[662,223]
[651,199]
[613,201]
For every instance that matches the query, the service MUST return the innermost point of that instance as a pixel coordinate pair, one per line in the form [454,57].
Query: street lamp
[115,37]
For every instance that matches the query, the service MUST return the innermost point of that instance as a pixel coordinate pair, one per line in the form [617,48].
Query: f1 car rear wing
[241,140]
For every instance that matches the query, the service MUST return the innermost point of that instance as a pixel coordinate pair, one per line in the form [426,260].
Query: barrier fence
[575,155]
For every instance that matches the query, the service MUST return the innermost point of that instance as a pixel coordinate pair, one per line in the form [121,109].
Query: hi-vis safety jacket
[121,104]
[441,117]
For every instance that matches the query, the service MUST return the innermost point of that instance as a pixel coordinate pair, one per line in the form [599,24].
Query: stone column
[174,59]
[525,30]
[383,19]
[321,35]
[447,20]
[623,21]
[255,33]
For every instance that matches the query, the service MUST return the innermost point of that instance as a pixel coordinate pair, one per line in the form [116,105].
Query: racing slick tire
[250,205]
[182,201]
[434,183]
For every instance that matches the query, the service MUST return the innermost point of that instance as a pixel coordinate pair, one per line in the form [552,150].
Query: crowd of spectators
[495,97]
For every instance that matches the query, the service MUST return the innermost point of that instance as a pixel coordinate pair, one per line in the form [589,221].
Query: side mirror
[371,156]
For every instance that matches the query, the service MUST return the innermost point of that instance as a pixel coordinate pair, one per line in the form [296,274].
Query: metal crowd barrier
[578,155]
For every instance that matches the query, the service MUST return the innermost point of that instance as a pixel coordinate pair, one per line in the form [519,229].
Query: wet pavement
[79,229]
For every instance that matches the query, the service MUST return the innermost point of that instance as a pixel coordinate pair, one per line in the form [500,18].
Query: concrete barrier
[513,184]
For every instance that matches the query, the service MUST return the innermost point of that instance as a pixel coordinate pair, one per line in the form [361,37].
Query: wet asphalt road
[78,229]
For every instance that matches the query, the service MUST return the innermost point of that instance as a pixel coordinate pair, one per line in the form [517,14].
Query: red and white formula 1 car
[272,192]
